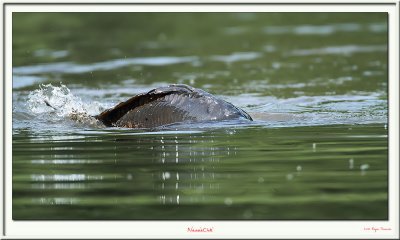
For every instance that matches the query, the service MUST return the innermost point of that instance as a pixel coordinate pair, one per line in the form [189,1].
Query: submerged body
[167,105]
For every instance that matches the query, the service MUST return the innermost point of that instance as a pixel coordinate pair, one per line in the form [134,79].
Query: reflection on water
[191,180]
[199,179]
[237,174]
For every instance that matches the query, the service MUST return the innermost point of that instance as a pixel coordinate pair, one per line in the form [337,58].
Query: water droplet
[289,177]
[166,175]
[314,146]
[260,179]
[364,167]
[228,201]
[298,168]
[351,163]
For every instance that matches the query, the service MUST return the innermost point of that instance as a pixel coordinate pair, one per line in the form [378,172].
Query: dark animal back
[172,104]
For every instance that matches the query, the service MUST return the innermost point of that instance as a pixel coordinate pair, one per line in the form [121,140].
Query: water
[315,84]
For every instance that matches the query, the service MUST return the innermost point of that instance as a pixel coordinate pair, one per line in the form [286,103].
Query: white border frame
[221,229]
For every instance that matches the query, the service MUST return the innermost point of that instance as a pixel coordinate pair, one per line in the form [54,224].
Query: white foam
[56,102]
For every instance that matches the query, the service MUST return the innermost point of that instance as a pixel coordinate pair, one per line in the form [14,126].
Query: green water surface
[315,84]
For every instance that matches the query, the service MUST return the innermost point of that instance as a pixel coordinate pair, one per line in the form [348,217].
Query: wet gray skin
[167,105]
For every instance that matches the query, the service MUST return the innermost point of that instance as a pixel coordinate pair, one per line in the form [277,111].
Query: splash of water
[59,102]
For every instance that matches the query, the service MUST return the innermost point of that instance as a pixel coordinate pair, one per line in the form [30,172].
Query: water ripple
[327,29]
[235,57]
[340,50]
[73,68]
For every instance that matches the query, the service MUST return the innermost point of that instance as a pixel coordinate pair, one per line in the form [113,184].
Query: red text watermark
[376,229]
[200,229]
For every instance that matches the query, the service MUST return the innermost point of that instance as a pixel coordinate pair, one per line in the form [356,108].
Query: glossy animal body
[171,104]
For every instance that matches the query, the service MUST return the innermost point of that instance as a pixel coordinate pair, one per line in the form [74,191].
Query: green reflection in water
[255,173]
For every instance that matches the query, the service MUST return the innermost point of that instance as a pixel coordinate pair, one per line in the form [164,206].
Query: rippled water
[315,84]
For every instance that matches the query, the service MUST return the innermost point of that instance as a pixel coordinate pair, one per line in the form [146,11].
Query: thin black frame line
[387,120]
[129,4]
[149,4]
[388,114]
[208,219]
[202,3]
[4,121]
[388,211]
